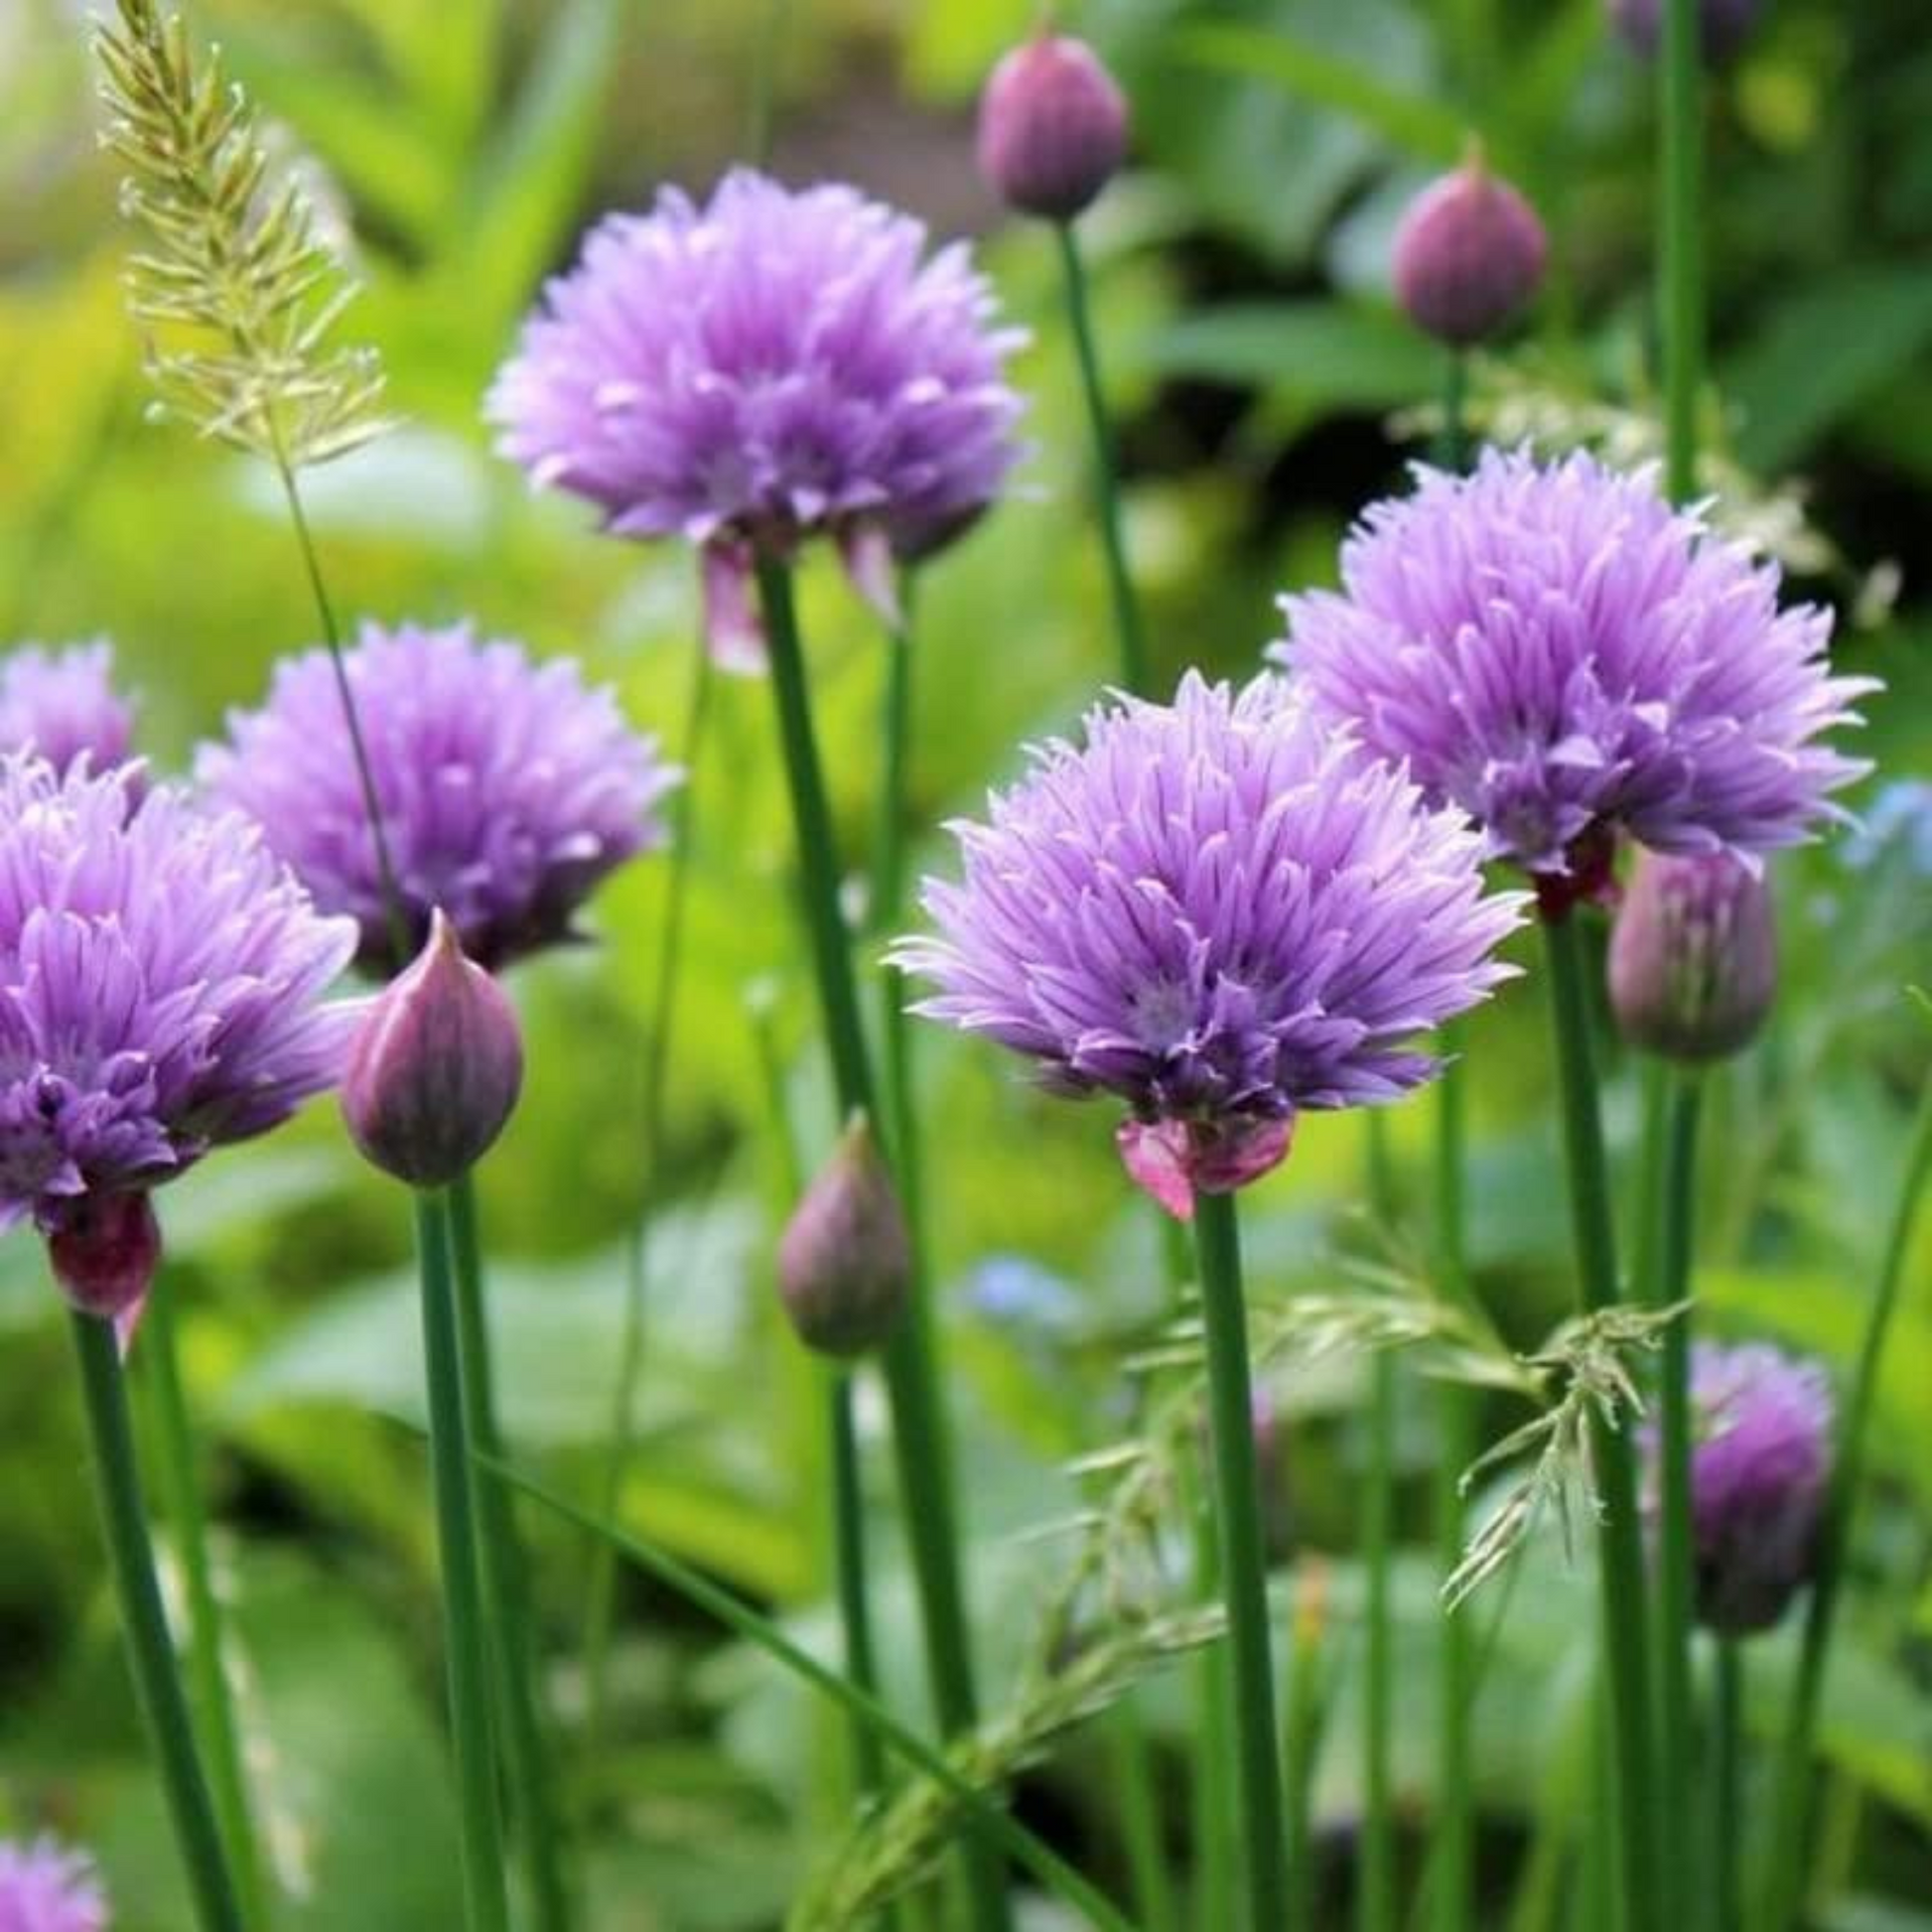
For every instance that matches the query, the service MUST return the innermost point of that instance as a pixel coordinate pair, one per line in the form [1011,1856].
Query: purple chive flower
[508,790]
[161,982]
[63,704]
[1558,651]
[1469,253]
[1220,912]
[44,1888]
[1759,1463]
[768,368]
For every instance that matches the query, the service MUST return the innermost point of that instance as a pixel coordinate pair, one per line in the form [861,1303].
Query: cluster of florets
[1561,653]
[45,1887]
[507,790]
[1222,912]
[766,367]
[65,704]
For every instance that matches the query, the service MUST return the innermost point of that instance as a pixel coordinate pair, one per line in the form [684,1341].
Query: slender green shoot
[151,1652]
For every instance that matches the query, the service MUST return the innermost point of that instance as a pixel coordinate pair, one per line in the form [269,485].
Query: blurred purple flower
[771,367]
[161,979]
[63,703]
[508,790]
[1723,25]
[44,1888]
[1222,912]
[1560,653]
[1759,1467]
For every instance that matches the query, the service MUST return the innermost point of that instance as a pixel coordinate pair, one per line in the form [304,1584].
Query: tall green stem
[1679,239]
[124,1520]
[1675,1565]
[464,1629]
[601,1595]
[1453,1849]
[1621,1566]
[1452,444]
[922,1451]
[1130,633]
[1214,1835]
[1375,1905]
[1728,1786]
[855,1606]
[400,943]
[1138,1796]
[502,1570]
[1244,1577]
[181,1494]
[1791,1818]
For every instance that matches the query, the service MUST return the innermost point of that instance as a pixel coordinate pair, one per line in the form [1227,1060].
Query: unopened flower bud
[1052,127]
[1469,255]
[1759,1463]
[105,1252]
[845,1262]
[1694,955]
[435,1067]
[1723,25]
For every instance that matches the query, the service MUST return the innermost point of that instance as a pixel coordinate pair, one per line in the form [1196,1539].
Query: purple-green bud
[1469,255]
[844,1260]
[1694,955]
[435,1067]
[1052,127]
[104,1253]
[1723,25]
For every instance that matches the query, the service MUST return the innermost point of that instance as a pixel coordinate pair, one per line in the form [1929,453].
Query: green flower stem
[1306,1703]
[485,1906]
[1677,1695]
[1679,255]
[1728,1785]
[502,1570]
[1452,1847]
[214,1701]
[1452,441]
[1053,1872]
[855,1609]
[1213,1782]
[922,1454]
[1244,1575]
[601,1595]
[332,636]
[886,907]
[1156,1908]
[1791,1814]
[151,1653]
[1375,1901]
[1129,629]
[1620,1567]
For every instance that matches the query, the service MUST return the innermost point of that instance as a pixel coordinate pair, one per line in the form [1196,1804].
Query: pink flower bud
[1469,255]
[435,1067]
[1694,955]
[1053,129]
[845,1262]
[105,1252]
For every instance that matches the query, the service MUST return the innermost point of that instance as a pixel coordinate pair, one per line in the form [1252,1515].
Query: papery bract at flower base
[769,367]
[161,992]
[1222,912]
[508,790]
[46,1888]
[63,704]
[1560,653]
[435,1069]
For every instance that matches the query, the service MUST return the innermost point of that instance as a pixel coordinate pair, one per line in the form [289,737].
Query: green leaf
[1416,123]
[1331,354]
[1824,351]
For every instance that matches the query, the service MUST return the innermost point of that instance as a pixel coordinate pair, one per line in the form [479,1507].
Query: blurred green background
[1267,390]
